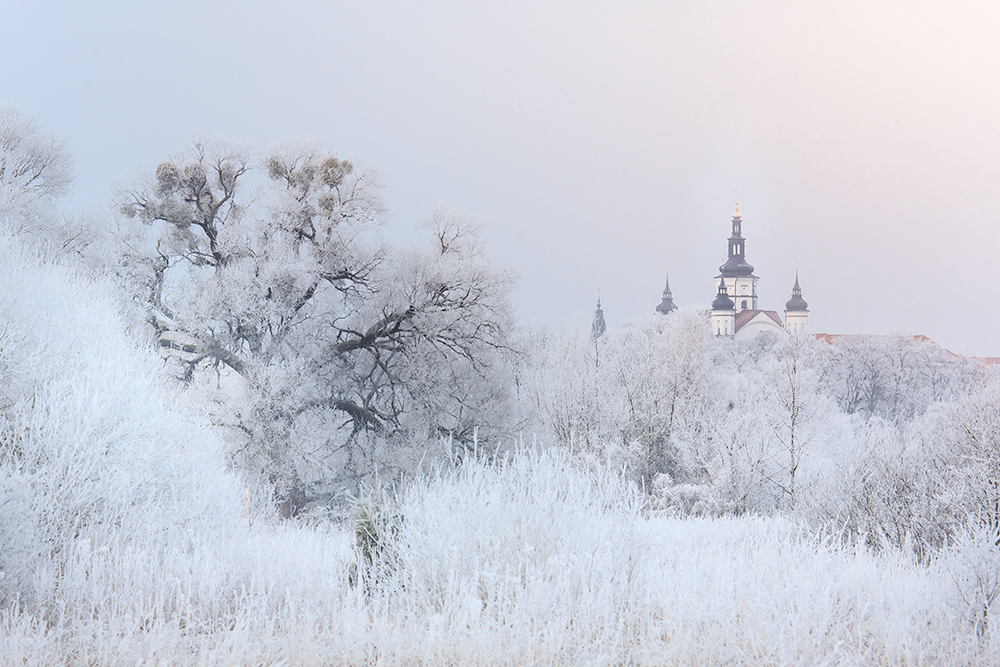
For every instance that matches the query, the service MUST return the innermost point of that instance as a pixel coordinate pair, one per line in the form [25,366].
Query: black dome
[796,303]
[722,300]
[666,306]
[735,267]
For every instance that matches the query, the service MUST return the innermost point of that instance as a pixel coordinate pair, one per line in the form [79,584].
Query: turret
[667,305]
[598,328]
[796,310]
[723,313]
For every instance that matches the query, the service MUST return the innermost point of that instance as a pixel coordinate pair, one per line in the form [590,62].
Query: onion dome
[598,328]
[796,303]
[722,300]
[667,305]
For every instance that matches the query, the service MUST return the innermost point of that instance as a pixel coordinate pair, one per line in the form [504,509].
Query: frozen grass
[524,562]
[123,540]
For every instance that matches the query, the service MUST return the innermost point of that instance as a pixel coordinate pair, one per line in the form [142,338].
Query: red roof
[829,338]
[917,338]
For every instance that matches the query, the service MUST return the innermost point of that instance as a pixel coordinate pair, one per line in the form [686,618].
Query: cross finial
[737,200]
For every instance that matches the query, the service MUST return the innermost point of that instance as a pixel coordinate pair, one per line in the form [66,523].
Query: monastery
[735,310]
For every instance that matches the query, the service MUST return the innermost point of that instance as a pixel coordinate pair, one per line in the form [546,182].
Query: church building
[735,310]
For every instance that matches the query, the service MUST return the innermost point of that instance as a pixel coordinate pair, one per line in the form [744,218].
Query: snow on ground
[527,563]
[124,540]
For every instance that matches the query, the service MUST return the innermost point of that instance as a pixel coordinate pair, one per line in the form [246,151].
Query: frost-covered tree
[893,377]
[35,168]
[562,388]
[341,345]
[791,389]
[968,443]
[35,172]
[662,368]
[643,403]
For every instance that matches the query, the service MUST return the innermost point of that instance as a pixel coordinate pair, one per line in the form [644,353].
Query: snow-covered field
[520,563]
[125,540]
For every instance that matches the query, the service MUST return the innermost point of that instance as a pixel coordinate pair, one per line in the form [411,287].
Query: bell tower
[736,273]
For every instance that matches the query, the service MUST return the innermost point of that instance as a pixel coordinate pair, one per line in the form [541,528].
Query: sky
[600,143]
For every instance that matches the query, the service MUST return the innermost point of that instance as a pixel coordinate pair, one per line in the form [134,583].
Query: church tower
[667,305]
[740,282]
[796,310]
[723,313]
[598,327]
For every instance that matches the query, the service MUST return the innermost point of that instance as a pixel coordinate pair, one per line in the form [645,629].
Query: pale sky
[598,142]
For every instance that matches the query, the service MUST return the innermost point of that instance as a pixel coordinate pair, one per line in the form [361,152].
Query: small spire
[722,300]
[598,328]
[796,303]
[667,304]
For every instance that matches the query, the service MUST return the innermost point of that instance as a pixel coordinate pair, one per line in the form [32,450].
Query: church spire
[736,272]
[796,310]
[722,300]
[796,303]
[736,264]
[667,305]
[598,328]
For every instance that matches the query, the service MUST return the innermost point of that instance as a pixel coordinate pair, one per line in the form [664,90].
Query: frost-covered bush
[973,561]
[967,439]
[538,559]
[377,521]
[105,487]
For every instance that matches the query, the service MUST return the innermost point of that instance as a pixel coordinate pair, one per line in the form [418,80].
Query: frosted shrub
[101,483]
[535,558]
[974,563]
[377,522]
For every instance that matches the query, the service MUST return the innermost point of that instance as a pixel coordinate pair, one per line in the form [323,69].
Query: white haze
[599,143]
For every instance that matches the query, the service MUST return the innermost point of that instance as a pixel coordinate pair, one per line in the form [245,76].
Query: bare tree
[340,340]
[34,167]
[35,171]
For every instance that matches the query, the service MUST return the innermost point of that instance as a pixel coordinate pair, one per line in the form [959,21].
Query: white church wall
[757,325]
